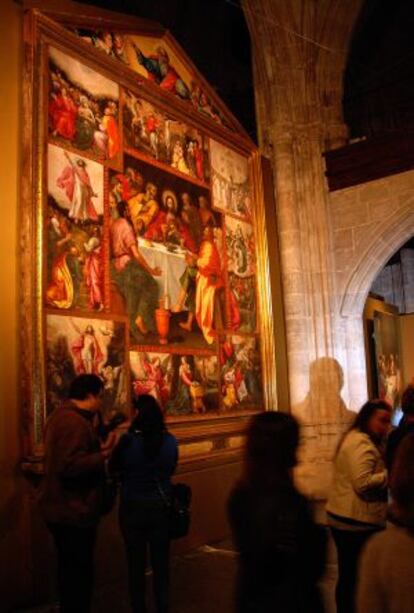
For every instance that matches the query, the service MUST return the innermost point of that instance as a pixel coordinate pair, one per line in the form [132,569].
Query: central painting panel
[167,272]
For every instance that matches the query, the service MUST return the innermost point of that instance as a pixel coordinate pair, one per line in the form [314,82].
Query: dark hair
[122,208]
[272,441]
[402,482]
[362,418]
[407,400]
[150,423]
[83,385]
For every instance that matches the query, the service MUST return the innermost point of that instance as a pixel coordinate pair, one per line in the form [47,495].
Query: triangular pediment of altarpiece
[145,48]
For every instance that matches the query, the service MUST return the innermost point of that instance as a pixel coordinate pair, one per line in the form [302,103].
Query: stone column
[299,53]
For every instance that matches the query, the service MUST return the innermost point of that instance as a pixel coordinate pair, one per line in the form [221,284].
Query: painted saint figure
[62,112]
[76,183]
[132,274]
[143,208]
[110,126]
[87,353]
[160,70]
[155,384]
[93,269]
[208,281]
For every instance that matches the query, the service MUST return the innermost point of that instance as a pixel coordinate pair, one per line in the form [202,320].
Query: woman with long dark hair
[282,551]
[145,458]
[357,503]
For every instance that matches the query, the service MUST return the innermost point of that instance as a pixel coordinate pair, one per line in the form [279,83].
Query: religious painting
[141,263]
[157,135]
[74,232]
[166,257]
[240,373]
[159,63]
[83,108]
[240,247]
[242,309]
[182,384]
[76,185]
[240,252]
[75,346]
[387,352]
[230,181]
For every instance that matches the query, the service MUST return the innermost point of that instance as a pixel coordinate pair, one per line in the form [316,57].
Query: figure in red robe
[75,181]
[63,112]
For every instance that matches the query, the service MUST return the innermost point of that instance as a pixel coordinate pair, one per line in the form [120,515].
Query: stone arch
[384,240]
[381,242]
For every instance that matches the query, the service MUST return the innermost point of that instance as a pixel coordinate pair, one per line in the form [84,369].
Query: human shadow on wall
[324,417]
[323,404]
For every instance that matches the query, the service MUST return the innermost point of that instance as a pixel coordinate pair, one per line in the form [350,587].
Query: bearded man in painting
[71,492]
[208,281]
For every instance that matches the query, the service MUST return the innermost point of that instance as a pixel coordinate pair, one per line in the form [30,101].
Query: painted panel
[176,260]
[83,108]
[161,137]
[241,385]
[77,345]
[182,384]
[230,181]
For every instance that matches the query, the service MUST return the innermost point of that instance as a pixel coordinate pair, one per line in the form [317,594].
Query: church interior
[297,122]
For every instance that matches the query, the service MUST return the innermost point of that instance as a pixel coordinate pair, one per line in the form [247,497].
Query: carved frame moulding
[144,254]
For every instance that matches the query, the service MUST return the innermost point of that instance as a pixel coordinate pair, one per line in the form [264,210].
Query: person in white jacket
[357,503]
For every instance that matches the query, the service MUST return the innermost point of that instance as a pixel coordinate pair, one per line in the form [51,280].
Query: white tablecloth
[172,264]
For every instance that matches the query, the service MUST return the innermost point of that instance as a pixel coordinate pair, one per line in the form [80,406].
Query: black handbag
[178,504]
[180,514]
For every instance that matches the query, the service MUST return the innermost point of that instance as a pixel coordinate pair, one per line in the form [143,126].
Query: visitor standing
[357,503]
[71,492]
[145,458]
[282,551]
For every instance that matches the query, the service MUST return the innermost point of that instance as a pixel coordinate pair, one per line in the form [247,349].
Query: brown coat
[71,490]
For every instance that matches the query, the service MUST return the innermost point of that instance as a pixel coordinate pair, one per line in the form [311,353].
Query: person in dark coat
[282,550]
[71,491]
[406,426]
[145,458]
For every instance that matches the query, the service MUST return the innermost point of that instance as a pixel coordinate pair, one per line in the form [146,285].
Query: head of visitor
[272,442]
[85,392]
[374,419]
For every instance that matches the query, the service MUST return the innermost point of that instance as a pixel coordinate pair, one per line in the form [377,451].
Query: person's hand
[109,444]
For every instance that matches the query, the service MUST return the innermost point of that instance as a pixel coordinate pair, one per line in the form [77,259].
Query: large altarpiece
[143,240]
